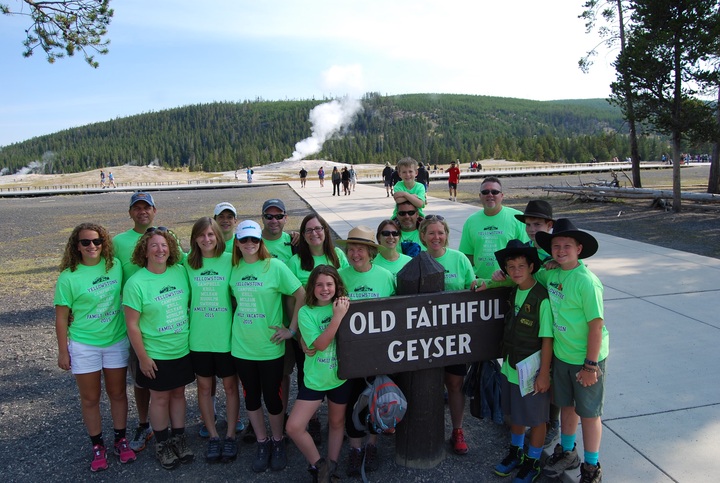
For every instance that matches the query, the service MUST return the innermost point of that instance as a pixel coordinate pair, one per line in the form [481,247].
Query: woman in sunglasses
[95,343]
[156,300]
[388,236]
[257,282]
[459,275]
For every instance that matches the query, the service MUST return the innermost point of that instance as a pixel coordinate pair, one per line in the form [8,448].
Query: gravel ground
[42,437]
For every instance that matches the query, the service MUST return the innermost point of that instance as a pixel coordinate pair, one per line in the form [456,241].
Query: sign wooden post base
[420,437]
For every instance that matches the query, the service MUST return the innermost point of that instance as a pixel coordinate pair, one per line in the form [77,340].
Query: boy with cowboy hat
[581,346]
[528,329]
[537,217]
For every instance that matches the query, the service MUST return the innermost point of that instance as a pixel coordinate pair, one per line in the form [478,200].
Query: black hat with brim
[565,227]
[537,209]
[516,248]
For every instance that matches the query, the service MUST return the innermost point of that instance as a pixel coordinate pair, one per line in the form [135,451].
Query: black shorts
[452,185]
[211,364]
[338,395]
[171,374]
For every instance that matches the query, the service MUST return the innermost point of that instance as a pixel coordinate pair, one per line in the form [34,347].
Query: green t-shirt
[418,190]
[576,298]
[413,236]
[303,275]
[393,267]
[163,301]
[280,248]
[124,245]
[229,245]
[321,368]
[93,296]
[546,329]
[375,283]
[210,307]
[458,270]
[258,289]
[483,235]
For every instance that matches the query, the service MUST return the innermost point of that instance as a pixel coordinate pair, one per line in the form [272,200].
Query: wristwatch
[588,362]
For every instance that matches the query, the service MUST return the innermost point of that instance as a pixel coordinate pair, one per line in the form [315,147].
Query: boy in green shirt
[408,190]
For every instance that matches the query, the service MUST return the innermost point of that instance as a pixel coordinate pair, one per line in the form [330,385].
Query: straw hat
[360,235]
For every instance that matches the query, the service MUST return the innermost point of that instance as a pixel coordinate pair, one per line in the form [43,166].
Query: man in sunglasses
[225,215]
[490,229]
[409,220]
[281,245]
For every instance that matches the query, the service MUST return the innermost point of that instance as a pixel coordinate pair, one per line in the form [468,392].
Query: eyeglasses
[86,243]
[434,217]
[390,233]
[249,239]
[317,229]
[268,216]
[156,228]
[487,192]
[407,213]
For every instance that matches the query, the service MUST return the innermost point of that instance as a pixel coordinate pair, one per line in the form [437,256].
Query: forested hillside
[432,128]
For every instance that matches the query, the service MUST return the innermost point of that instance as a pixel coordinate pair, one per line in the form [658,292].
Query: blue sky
[170,53]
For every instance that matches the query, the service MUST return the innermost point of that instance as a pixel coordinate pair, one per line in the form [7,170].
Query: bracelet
[292,332]
[587,369]
[591,363]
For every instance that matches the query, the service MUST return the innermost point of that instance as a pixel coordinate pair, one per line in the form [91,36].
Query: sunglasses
[390,233]
[156,228]
[434,217]
[407,213]
[317,229]
[249,239]
[268,216]
[86,243]
[487,192]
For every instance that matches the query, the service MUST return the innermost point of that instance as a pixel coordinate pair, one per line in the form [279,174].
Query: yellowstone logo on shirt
[208,272]
[249,277]
[167,289]
[100,279]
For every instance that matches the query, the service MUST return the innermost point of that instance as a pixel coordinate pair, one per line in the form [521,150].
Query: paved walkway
[662,404]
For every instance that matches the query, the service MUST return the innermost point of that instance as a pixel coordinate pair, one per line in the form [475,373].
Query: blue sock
[567,441]
[534,452]
[592,458]
[517,439]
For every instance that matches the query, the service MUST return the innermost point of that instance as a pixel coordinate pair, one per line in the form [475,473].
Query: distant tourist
[249,172]
[303,176]
[336,179]
[353,178]
[321,176]
[387,175]
[453,179]
[102,179]
[111,179]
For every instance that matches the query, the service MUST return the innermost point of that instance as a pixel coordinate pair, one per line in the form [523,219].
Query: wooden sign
[412,332]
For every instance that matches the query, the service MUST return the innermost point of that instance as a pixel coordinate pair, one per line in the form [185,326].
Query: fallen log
[635,193]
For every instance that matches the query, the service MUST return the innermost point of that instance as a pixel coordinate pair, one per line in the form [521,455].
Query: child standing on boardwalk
[528,329]
[581,346]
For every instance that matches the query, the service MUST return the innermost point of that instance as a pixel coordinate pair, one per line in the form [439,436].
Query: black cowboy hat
[537,209]
[565,227]
[517,248]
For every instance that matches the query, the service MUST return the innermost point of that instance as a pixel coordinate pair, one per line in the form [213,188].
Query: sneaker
[213,450]
[278,459]
[560,461]
[262,457]
[99,461]
[372,462]
[529,471]
[122,450]
[204,433]
[239,426]
[458,441]
[249,436]
[513,459]
[180,445]
[553,431]
[355,461]
[166,456]
[141,438]
[590,473]
[229,450]
[315,430]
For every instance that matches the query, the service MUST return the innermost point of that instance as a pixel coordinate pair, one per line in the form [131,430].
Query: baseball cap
[220,207]
[273,203]
[142,196]
[248,228]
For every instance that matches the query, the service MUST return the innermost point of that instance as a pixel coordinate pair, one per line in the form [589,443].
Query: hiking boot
[180,445]
[262,457]
[372,462]
[513,459]
[249,436]
[320,471]
[560,461]
[141,438]
[99,461]
[590,473]
[529,471]
[122,450]
[229,450]
[553,431]
[458,441]
[166,455]
[333,466]
[278,458]
[355,462]
[315,430]
[213,450]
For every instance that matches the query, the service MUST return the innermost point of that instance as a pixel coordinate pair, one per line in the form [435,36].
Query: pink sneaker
[123,451]
[99,461]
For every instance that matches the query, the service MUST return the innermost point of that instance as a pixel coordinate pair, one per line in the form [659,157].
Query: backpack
[380,407]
